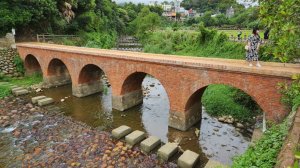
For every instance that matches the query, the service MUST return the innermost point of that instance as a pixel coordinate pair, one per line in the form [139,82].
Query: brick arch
[131,89]
[197,95]
[90,73]
[88,81]
[32,64]
[57,73]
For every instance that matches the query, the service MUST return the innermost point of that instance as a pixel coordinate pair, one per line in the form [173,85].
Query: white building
[230,12]
[166,7]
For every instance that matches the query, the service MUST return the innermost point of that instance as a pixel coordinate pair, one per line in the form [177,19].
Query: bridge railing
[52,37]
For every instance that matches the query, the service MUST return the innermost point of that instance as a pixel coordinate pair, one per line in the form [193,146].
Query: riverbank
[43,137]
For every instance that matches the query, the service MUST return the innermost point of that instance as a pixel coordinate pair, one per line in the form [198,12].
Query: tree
[207,19]
[282,17]
[146,22]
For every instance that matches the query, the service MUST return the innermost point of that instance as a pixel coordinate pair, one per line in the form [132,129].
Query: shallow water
[217,141]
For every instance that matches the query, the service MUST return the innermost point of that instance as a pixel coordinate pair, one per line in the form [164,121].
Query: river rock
[239,125]
[221,119]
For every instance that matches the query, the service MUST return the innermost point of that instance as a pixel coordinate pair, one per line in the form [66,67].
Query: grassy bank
[5,83]
[264,153]
[244,32]
[205,43]
[220,100]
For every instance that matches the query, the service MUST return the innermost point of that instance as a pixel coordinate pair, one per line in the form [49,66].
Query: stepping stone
[14,86]
[167,151]
[35,99]
[21,92]
[3,83]
[150,143]
[45,101]
[15,89]
[188,159]
[135,137]
[121,131]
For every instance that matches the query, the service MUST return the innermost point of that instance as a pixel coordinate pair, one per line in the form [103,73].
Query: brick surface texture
[184,78]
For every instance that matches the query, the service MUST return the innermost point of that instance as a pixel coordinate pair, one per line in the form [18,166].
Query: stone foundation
[52,81]
[87,89]
[128,100]
[184,120]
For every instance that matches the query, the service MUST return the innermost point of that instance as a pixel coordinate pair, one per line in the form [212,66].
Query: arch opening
[227,120]
[143,89]
[223,98]
[131,91]
[58,73]
[91,80]
[32,65]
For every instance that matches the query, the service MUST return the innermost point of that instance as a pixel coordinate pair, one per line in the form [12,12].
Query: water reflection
[217,140]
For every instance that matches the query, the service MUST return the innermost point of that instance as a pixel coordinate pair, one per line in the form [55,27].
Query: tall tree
[283,18]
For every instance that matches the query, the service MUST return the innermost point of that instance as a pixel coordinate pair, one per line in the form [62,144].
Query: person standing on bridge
[252,48]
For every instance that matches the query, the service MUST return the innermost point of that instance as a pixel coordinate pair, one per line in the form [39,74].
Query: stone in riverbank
[150,143]
[167,151]
[188,159]
[121,131]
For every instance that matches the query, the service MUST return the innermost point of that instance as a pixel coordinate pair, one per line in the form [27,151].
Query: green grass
[5,89]
[220,100]
[235,33]
[187,43]
[264,153]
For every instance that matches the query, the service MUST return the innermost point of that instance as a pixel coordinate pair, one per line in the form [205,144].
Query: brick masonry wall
[7,66]
[179,80]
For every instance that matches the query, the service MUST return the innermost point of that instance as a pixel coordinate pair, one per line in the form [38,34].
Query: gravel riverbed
[31,136]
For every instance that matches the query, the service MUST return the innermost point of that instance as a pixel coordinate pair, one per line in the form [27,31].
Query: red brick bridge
[184,78]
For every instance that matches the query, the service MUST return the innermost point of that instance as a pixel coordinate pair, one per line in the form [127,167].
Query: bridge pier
[52,81]
[128,100]
[86,89]
[185,119]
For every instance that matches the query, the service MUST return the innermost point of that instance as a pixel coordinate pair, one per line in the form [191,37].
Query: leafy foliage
[19,64]
[291,92]
[146,22]
[282,17]
[264,153]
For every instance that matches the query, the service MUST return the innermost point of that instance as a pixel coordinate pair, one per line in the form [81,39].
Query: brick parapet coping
[269,69]
[286,155]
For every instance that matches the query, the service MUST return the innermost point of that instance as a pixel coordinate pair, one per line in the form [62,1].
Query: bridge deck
[268,68]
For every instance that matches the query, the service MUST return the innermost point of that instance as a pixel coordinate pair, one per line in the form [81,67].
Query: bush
[220,100]
[291,92]
[265,151]
[19,64]
[99,40]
